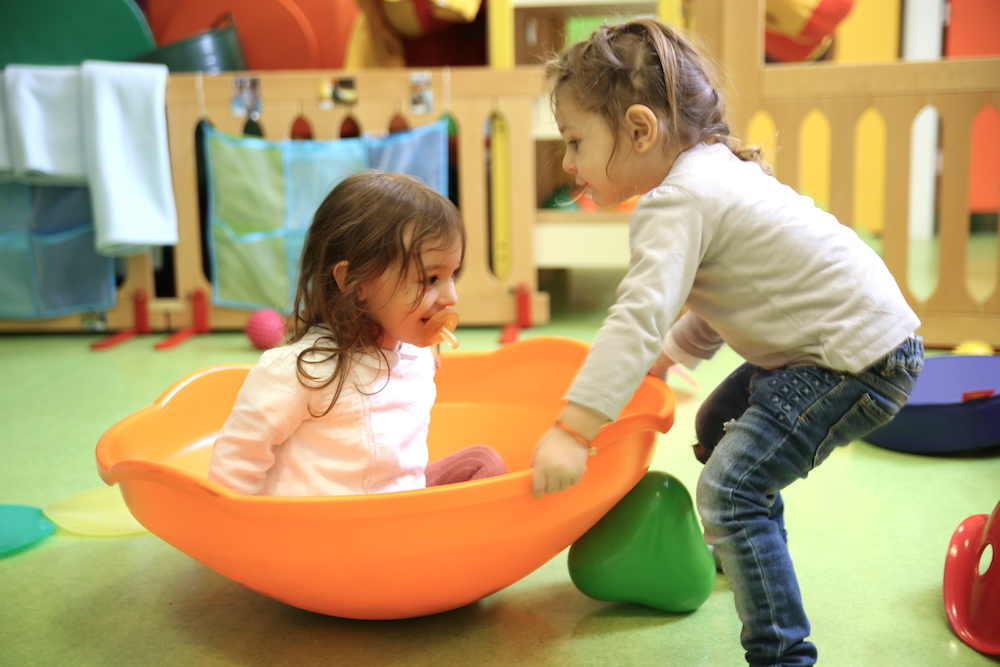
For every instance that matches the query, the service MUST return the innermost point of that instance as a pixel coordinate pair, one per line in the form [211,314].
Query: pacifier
[439,328]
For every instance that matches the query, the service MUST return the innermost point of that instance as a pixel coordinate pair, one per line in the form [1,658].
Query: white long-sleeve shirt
[374,440]
[758,266]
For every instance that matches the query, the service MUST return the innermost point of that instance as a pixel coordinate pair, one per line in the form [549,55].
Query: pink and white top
[374,440]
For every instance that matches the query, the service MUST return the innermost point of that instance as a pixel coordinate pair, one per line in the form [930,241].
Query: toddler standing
[827,336]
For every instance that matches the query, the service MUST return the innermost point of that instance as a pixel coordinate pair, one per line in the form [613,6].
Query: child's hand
[559,463]
[661,367]
[561,455]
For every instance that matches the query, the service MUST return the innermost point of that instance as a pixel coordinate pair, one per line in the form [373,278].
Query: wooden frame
[470,95]
[957,89]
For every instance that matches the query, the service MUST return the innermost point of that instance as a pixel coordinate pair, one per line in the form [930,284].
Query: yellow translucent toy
[98,512]
[392,555]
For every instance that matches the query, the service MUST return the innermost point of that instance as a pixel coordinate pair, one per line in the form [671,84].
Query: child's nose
[448,295]
[568,163]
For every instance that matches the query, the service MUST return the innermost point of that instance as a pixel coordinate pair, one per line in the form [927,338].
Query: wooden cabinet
[527,32]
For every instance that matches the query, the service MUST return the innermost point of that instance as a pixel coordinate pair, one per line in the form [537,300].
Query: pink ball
[266,329]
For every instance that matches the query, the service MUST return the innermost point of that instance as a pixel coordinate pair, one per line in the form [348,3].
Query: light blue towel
[45,124]
[6,162]
[127,158]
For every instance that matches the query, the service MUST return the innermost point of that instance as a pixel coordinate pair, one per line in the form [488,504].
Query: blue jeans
[762,430]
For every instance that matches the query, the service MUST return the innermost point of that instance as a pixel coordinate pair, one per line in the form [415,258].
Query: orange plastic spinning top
[387,555]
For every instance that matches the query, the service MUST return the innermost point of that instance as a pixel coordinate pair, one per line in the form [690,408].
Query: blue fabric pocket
[262,196]
[48,265]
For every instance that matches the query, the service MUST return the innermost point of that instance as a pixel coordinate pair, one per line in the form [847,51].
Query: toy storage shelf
[564,239]
[575,239]
[572,238]
[527,32]
[586,7]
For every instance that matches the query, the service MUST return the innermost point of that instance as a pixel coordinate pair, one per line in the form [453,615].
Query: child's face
[391,302]
[589,147]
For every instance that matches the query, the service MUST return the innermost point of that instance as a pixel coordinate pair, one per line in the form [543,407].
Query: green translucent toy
[21,526]
[647,549]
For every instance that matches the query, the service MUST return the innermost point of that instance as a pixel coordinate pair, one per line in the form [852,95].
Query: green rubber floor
[868,531]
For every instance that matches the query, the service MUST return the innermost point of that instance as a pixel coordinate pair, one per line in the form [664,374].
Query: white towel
[6,163]
[125,130]
[45,129]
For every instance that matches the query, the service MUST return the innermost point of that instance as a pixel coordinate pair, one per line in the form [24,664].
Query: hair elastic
[576,435]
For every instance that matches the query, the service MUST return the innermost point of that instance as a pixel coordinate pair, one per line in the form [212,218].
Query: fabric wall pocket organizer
[48,265]
[263,194]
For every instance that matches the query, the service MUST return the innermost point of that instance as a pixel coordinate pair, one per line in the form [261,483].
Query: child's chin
[416,341]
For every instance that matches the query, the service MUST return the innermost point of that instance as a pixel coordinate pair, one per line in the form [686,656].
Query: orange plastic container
[392,555]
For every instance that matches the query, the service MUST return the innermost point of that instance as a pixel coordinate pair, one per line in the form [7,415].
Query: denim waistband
[909,354]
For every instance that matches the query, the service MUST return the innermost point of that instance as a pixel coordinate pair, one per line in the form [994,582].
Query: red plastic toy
[971,586]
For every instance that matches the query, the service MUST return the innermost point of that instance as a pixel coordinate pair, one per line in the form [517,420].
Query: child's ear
[340,274]
[641,125]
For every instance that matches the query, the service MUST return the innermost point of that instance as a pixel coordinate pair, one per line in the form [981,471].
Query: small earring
[639,145]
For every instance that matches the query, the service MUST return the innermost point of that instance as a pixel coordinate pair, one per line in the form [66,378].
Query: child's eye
[433,279]
[572,143]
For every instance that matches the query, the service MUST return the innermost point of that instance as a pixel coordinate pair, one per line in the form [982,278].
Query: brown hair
[647,62]
[376,222]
